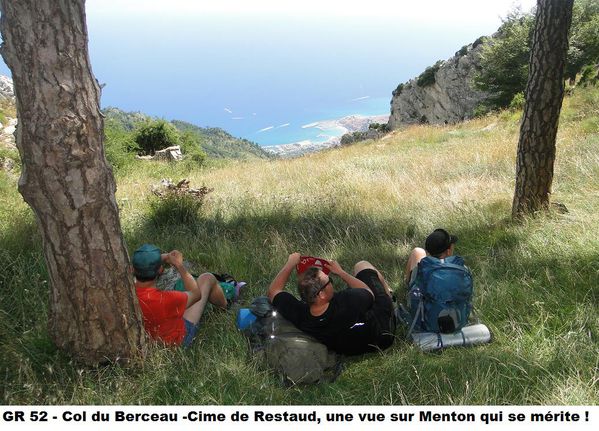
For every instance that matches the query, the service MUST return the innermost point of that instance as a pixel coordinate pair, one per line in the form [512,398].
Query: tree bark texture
[94,314]
[544,96]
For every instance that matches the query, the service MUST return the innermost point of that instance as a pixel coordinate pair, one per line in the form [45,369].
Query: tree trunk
[544,95]
[94,314]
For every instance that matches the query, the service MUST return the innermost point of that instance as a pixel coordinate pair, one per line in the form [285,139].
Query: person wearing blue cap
[172,316]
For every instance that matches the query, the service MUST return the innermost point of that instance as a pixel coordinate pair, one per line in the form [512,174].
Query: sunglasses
[321,288]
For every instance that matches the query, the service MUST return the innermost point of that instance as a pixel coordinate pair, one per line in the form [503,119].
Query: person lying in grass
[172,316]
[356,320]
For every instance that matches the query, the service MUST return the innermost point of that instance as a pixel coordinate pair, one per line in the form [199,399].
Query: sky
[262,69]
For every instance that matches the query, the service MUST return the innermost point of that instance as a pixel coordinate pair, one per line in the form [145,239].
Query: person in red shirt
[171,316]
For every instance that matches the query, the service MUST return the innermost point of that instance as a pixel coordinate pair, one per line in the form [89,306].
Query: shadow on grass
[268,237]
[529,303]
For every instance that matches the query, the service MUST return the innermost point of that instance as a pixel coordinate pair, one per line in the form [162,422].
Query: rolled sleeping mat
[467,336]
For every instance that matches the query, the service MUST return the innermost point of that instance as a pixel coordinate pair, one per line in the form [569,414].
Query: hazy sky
[252,66]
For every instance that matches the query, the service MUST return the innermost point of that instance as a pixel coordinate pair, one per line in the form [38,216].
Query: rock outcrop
[7,91]
[170,154]
[7,137]
[443,93]
[8,124]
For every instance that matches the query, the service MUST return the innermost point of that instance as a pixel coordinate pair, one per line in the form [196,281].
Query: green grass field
[536,282]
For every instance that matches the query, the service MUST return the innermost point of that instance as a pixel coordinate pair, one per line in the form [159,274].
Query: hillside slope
[218,143]
[536,282]
[214,141]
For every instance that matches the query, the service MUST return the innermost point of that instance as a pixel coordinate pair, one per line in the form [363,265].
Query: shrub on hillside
[192,148]
[427,77]
[504,62]
[156,135]
[479,41]
[381,127]
[589,74]
[177,204]
[462,52]
[517,102]
[398,90]
[351,138]
[481,110]
[119,146]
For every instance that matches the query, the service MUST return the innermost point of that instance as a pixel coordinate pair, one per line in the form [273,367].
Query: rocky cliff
[443,93]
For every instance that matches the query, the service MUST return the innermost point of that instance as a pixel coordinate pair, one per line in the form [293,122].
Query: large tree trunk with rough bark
[544,96]
[65,178]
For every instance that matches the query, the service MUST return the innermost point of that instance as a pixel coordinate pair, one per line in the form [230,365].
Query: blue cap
[147,261]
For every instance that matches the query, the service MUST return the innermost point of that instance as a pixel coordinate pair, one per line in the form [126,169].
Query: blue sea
[261,78]
[294,126]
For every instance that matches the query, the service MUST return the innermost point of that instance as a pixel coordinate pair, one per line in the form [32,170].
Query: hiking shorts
[190,332]
[382,308]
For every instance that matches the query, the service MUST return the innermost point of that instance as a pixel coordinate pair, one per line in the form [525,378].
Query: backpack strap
[456,266]
[463,338]
[419,312]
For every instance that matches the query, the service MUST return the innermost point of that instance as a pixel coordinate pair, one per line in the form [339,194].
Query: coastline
[340,126]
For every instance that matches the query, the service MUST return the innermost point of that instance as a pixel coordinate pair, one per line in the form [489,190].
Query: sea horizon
[264,74]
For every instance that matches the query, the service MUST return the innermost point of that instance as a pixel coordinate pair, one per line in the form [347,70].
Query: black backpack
[296,356]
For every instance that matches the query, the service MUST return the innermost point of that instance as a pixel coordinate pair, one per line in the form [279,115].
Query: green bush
[398,90]
[479,41]
[156,135]
[589,75]
[119,146]
[517,102]
[584,37]
[427,77]
[192,148]
[481,110]
[504,62]
[462,52]
[382,127]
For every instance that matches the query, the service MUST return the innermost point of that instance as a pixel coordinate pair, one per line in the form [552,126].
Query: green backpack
[296,356]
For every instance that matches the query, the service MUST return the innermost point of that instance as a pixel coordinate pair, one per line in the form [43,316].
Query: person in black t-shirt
[355,320]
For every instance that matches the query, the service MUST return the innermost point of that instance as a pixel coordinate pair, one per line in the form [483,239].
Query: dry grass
[536,282]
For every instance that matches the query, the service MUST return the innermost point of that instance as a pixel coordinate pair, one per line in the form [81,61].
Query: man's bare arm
[278,284]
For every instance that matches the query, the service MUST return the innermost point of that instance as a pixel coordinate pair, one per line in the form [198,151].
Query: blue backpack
[440,299]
